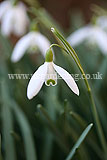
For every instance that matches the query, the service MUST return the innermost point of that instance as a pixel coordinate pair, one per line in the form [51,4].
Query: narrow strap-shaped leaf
[78,118]
[26,132]
[60,139]
[7,124]
[33,3]
[102,71]
[7,138]
[48,136]
[23,123]
[6,46]
[78,143]
[0,150]
[90,141]
[45,18]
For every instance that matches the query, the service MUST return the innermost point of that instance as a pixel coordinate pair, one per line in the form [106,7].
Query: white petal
[101,40]
[67,78]
[7,23]
[36,82]
[22,45]
[15,20]
[79,35]
[21,5]
[4,7]
[21,21]
[102,22]
[42,42]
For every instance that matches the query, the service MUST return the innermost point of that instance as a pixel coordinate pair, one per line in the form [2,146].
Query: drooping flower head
[93,33]
[13,18]
[30,42]
[48,73]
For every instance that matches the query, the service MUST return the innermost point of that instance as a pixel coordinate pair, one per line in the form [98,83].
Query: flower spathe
[91,33]
[31,40]
[13,18]
[47,73]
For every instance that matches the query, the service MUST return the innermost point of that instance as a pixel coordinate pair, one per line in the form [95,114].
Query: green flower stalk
[69,50]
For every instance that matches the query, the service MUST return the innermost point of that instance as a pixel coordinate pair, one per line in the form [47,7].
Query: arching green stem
[69,50]
[78,64]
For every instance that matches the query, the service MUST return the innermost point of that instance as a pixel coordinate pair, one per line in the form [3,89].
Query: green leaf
[8,106]
[53,127]
[26,132]
[45,18]
[7,126]
[78,143]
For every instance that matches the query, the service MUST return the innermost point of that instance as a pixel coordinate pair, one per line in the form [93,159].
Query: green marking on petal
[51,81]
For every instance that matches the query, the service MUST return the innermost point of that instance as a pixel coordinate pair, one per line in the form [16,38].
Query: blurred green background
[47,127]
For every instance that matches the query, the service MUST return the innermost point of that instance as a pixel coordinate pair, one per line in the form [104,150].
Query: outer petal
[22,5]
[42,42]
[20,21]
[7,23]
[102,22]
[21,47]
[80,35]
[101,40]
[67,78]
[36,82]
[4,7]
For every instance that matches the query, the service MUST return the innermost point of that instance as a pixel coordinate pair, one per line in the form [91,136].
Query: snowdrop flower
[47,73]
[92,34]
[13,18]
[32,40]
[80,35]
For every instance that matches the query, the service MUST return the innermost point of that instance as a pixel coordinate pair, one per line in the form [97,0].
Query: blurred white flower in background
[94,34]
[13,18]
[47,73]
[4,7]
[30,42]
[102,22]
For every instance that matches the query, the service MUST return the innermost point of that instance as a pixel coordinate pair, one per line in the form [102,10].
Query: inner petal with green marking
[51,78]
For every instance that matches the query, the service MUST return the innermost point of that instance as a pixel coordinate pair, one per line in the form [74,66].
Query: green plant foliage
[54,124]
